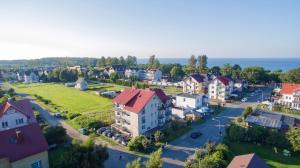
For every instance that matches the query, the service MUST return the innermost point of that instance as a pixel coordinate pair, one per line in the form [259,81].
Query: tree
[202,63]
[216,70]
[54,135]
[159,136]
[151,62]
[131,61]
[113,77]
[101,62]
[122,61]
[11,92]
[255,74]
[293,136]
[135,164]
[176,72]
[291,76]
[248,110]
[257,133]
[66,75]
[155,160]
[236,133]
[191,66]
[138,143]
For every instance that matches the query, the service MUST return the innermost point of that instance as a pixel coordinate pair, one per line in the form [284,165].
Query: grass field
[271,158]
[71,100]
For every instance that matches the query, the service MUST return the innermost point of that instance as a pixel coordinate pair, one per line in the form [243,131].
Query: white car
[244,99]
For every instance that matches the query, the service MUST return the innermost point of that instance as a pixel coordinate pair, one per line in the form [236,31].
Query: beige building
[138,111]
[195,84]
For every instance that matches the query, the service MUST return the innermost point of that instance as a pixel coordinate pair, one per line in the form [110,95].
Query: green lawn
[272,159]
[71,100]
[170,90]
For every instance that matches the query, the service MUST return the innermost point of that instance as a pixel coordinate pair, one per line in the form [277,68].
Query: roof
[247,161]
[119,67]
[223,79]
[22,106]
[264,121]
[135,99]
[198,77]
[270,115]
[32,142]
[290,88]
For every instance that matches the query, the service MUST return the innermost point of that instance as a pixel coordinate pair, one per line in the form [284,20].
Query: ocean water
[268,63]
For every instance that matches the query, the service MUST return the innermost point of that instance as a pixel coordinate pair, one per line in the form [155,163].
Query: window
[143,119]
[143,127]
[19,121]
[37,164]
[184,99]
[143,112]
[4,124]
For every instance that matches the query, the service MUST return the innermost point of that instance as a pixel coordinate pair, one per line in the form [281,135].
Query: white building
[195,83]
[138,111]
[154,75]
[81,84]
[290,96]
[220,88]
[15,114]
[31,77]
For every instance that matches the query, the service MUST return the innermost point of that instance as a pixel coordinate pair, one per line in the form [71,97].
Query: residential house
[81,84]
[154,74]
[139,111]
[195,83]
[119,69]
[78,68]
[220,88]
[240,85]
[290,95]
[141,74]
[20,76]
[7,75]
[247,161]
[22,142]
[131,72]
[186,103]
[31,77]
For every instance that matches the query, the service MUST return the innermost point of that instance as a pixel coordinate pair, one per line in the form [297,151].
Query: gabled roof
[198,77]
[22,106]
[32,142]
[290,88]
[223,79]
[122,67]
[247,161]
[136,99]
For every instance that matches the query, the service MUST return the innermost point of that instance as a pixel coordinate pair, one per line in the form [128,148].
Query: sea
[271,64]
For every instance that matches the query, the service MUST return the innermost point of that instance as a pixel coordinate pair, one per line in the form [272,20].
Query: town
[114,112]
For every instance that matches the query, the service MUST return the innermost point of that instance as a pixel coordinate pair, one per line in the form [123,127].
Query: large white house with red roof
[290,95]
[138,111]
[220,88]
[22,143]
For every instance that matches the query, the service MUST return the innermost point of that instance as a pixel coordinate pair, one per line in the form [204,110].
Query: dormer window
[4,124]
[19,121]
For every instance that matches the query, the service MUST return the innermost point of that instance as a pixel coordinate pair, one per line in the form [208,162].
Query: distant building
[131,72]
[195,84]
[119,69]
[22,143]
[154,74]
[139,111]
[220,88]
[289,96]
[20,76]
[81,84]
[240,85]
[247,161]
[78,68]
[31,77]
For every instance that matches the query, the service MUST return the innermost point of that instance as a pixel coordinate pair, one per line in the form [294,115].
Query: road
[177,151]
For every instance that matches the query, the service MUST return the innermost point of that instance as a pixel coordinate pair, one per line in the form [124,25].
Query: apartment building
[195,83]
[138,111]
[220,88]
[290,95]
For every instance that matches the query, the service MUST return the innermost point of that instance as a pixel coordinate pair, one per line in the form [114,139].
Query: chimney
[19,136]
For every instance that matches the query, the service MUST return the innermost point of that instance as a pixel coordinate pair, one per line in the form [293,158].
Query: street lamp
[215,119]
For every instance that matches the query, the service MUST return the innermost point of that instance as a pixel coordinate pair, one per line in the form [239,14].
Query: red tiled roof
[135,99]
[223,79]
[22,106]
[247,161]
[32,142]
[290,88]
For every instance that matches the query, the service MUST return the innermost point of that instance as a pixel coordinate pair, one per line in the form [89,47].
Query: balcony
[122,120]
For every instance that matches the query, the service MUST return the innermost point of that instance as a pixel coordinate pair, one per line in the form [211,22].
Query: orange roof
[247,161]
[290,88]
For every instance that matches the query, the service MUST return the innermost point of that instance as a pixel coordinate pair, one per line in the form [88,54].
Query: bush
[139,144]
[235,133]
[159,136]
[248,110]
[73,115]
[54,135]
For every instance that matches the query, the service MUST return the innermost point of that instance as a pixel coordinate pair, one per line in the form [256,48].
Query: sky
[166,28]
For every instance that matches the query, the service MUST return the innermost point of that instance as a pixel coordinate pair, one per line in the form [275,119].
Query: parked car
[244,99]
[195,135]
[105,132]
[102,129]
[84,131]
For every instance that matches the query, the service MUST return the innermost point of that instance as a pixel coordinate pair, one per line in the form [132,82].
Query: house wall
[217,90]
[178,112]
[11,116]
[28,161]
[189,103]
[291,100]
[190,85]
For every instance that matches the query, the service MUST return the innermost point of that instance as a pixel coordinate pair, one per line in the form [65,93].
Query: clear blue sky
[166,28]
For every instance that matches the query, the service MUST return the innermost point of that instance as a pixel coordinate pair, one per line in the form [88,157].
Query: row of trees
[155,161]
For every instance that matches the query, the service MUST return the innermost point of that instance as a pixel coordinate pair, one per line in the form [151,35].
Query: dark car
[195,135]
[84,131]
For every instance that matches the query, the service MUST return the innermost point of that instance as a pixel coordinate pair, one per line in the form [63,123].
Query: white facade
[31,78]
[81,85]
[130,73]
[189,101]
[154,75]
[218,90]
[291,100]
[12,119]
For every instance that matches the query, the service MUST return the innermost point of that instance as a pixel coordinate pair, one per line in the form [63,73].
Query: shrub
[54,135]
[159,136]
[138,143]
